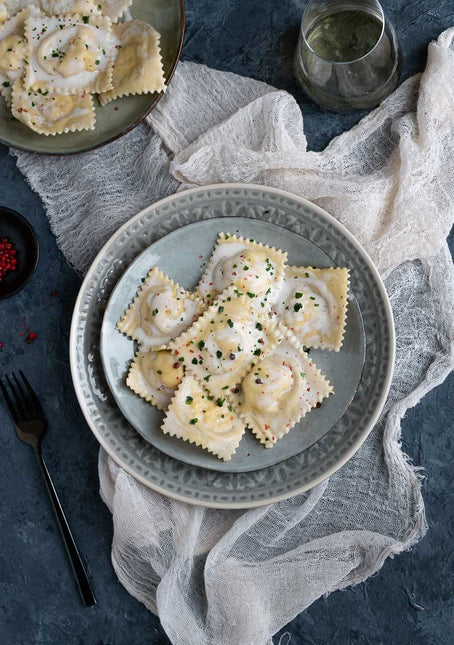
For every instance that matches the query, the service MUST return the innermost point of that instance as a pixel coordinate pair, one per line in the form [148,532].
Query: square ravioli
[280,390]
[312,303]
[155,376]
[114,8]
[220,347]
[13,49]
[60,7]
[195,416]
[161,311]
[138,65]
[248,265]
[69,53]
[52,113]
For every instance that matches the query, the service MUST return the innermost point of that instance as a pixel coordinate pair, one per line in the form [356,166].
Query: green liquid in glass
[344,36]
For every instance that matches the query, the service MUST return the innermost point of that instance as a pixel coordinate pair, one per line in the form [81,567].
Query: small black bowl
[24,240]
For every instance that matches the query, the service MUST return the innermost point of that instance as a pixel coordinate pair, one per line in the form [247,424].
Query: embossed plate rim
[179,449]
[259,497]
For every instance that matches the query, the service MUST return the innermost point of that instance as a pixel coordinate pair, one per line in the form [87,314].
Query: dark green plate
[167,16]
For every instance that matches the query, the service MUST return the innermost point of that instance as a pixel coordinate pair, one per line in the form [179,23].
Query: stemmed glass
[347,56]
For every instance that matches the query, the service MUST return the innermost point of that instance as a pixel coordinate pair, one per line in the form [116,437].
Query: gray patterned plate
[182,255]
[333,245]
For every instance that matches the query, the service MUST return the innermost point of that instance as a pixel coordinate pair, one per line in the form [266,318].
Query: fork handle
[78,568]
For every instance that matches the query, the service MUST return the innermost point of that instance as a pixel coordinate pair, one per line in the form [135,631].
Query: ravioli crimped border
[266,436]
[103,79]
[280,258]
[9,27]
[341,296]
[49,7]
[166,280]
[199,441]
[114,9]
[20,94]
[133,86]
[148,396]
[199,328]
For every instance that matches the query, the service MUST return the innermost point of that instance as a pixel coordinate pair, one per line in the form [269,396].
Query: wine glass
[347,57]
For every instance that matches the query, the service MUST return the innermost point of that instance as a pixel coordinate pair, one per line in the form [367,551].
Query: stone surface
[411,601]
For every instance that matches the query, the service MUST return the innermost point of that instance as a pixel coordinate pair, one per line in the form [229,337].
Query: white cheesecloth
[228,577]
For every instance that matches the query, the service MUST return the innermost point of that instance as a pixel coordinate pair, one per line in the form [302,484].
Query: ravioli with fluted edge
[13,50]
[60,7]
[161,311]
[219,348]
[52,113]
[137,66]
[155,375]
[312,303]
[280,390]
[68,48]
[197,416]
[233,353]
[246,264]
[69,53]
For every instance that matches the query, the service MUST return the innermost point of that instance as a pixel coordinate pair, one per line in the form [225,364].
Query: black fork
[31,425]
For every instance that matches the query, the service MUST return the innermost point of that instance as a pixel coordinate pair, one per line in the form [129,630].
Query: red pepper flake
[1,345]
[54,294]
[116,108]
[30,338]
[8,260]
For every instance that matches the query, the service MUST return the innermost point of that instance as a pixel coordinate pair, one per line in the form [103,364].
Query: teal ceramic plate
[307,232]
[181,255]
[120,116]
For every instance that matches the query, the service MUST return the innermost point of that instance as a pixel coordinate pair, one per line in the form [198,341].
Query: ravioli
[280,389]
[198,417]
[312,303]
[155,376]
[114,8]
[220,347]
[69,53]
[52,113]
[161,310]
[248,265]
[59,7]
[138,66]
[13,7]
[13,48]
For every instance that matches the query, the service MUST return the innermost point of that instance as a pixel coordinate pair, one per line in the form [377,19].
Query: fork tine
[36,405]
[24,398]
[17,398]
[9,402]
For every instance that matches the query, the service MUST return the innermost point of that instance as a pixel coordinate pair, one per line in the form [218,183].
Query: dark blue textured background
[411,600]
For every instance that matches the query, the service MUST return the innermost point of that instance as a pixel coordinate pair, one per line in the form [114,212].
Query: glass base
[338,103]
